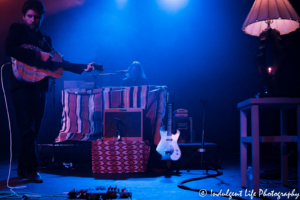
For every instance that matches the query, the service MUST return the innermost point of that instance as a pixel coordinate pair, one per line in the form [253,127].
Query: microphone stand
[118,129]
[95,82]
[95,78]
[202,150]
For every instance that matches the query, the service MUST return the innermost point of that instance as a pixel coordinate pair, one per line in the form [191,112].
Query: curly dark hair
[35,5]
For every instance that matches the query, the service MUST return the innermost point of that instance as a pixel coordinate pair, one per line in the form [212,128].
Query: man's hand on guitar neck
[46,57]
[90,67]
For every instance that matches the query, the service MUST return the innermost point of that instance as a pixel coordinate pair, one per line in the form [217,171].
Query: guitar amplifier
[185,126]
[123,123]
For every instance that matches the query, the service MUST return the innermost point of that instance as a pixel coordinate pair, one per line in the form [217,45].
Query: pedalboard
[100,193]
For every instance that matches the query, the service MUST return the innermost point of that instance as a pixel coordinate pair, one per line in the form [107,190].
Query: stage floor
[147,185]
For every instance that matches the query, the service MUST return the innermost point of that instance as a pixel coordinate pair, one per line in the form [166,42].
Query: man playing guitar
[29,98]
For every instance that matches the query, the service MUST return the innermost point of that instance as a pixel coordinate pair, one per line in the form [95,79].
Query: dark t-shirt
[129,82]
[21,34]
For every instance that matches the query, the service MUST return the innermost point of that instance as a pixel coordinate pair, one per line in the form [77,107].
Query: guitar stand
[207,167]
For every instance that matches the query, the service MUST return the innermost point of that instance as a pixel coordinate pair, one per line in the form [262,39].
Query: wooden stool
[253,104]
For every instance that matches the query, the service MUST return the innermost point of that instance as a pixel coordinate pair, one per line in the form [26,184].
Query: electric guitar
[168,146]
[33,72]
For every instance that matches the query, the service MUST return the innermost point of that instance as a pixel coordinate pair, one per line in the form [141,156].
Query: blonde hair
[139,67]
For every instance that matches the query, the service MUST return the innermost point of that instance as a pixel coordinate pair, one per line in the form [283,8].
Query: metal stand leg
[207,167]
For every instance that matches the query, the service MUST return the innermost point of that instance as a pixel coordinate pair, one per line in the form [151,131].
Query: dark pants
[29,109]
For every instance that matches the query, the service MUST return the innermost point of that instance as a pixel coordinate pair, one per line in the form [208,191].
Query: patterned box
[119,156]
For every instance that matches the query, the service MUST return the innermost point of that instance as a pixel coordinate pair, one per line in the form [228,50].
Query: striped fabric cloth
[82,117]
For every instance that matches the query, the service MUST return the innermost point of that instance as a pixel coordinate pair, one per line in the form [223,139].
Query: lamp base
[266,93]
[272,93]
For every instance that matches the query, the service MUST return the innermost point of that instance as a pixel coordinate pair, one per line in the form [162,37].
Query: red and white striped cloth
[82,117]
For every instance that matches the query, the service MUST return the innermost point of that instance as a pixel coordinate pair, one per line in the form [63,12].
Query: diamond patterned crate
[119,156]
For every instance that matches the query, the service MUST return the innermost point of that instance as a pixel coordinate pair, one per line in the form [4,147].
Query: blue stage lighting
[172,5]
[121,3]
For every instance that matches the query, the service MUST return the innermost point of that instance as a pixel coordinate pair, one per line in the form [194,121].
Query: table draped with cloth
[82,116]
[82,120]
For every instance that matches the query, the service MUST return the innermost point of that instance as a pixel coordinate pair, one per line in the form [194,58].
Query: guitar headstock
[170,97]
[98,67]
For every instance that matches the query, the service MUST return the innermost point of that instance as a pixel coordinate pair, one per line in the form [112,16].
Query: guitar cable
[10,134]
[219,173]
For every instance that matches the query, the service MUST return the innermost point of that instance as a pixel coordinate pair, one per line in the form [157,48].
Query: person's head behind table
[135,71]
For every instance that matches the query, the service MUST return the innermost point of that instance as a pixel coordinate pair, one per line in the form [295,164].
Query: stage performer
[135,75]
[29,99]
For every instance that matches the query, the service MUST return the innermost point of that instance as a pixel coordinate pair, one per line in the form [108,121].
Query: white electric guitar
[168,146]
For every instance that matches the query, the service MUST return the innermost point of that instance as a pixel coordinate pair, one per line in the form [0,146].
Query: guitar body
[168,146]
[31,73]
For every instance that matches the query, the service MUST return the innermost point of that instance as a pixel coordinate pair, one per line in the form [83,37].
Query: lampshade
[284,17]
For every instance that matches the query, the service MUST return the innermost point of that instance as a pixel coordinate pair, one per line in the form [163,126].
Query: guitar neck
[169,127]
[67,65]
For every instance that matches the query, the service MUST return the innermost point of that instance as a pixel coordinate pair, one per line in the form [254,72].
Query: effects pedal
[100,193]
[124,194]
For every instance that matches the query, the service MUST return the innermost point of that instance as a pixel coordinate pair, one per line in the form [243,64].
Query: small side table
[253,104]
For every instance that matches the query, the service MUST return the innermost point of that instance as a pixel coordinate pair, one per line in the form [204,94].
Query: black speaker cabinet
[126,123]
[185,126]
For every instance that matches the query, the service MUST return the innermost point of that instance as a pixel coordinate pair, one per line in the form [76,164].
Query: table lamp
[268,19]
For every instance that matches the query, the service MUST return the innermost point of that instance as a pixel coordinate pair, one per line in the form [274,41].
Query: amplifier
[181,113]
[123,123]
[185,126]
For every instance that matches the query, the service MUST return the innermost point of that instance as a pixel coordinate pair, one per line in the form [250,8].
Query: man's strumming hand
[90,67]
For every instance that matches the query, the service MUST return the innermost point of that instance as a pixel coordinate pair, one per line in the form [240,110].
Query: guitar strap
[47,43]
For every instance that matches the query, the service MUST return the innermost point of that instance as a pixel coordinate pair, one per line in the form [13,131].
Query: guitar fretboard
[67,65]
[169,128]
